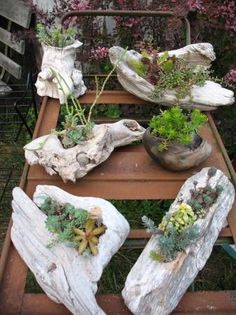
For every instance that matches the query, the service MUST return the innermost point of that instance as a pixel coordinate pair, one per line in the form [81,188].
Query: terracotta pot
[177,157]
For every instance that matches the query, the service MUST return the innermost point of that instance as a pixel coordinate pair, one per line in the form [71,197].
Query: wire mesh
[16,112]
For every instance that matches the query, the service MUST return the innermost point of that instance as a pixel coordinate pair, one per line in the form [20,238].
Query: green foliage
[138,66]
[133,210]
[62,219]
[179,220]
[53,223]
[49,206]
[175,242]
[150,225]
[113,111]
[204,197]
[175,233]
[56,36]
[74,226]
[179,76]
[73,134]
[76,135]
[175,125]
[169,73]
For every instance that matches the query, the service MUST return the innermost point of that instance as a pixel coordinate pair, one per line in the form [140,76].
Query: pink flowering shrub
[196,5]
[230,77]
[211,21]
[228,12]
[100,53]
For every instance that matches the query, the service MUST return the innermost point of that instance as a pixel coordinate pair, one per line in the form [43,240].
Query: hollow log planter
[207,98]
[76,162]
[156,287]
[61,61]
[177,157]
[64,275]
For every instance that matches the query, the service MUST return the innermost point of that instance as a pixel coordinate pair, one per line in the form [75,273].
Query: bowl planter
[154,287]
[177,157]
[207,97]
[77,161]
[64,275]
[60,62]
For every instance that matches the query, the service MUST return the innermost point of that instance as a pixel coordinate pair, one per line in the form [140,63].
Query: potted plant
[178,76]
[81,145]
[172,139]
[180,245]
[67,241]
[59,53]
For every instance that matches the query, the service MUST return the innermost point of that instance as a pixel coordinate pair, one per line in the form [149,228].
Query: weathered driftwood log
[76,162]
[61,61]
[156,288]
[64,275]
[177,157]
[207,97]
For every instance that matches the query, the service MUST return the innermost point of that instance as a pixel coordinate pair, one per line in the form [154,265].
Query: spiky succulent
[89,236]
[75,226]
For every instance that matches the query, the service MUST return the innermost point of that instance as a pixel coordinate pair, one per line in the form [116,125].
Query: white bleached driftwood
[207,97]
[61,61]
[65,276]
[156,288]
[76,162]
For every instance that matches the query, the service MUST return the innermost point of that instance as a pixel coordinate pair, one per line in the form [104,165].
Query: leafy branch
[74,133]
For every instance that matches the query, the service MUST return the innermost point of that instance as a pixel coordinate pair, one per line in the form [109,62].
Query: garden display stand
[128,174]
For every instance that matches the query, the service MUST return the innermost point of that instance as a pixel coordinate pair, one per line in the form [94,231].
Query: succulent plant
[75,226]
[212,171]
[203,198]
[182,218]
[89,236]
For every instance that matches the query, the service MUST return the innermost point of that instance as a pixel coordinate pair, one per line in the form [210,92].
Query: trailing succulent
[75,226]
[78,125]
[176,125]
[177,230]
[167,72]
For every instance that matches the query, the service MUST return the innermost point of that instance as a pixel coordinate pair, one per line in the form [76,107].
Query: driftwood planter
[156,288]
[76,162]
[64,275]
[207,97]
[61,61]
[177,157]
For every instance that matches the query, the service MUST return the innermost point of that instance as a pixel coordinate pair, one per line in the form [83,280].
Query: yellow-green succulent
[89,236]
[179,220]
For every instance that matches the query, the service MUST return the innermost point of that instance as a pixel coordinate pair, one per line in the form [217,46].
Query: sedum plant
[77,227]
[177,230]
[56,36]
[175,125]
[167,73]
[182,218]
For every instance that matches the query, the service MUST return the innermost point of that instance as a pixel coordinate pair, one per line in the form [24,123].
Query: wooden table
[128,174]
